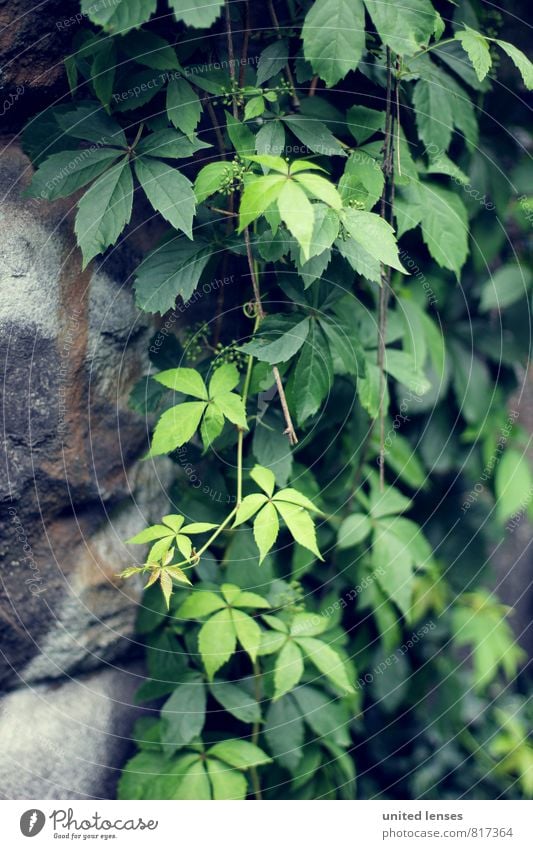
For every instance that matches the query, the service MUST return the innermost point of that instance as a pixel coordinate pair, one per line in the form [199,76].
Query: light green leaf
[200,603]
[258,195]
[196,13]
[353,530]
[249,507]
[334,38]
[300,525]
[249,599]
[477,49]
[64,173]
[120,15]
[387,501]
[308,625]
[326,661]
[293,496]
[149,534]
[232,406]
[198,527]
[288,670]
[104,210]
[264,478]
[212,425]
[375,235]
[239,753]
[393,565]
[171,270]
[520,60]
[254,108]
[185,380]
[176,426]
[226,783]
[165,582]
[514,484]
[195,784]
[318,187]
[433,113]
[266,528]
[183,106]
[217,641]
[248,632]
[209,180]
[271,642]
[362,180]
[174,521]
[296,212]
[169,192]
[406,371]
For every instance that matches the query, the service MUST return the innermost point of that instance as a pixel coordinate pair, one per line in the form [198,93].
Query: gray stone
[68,740]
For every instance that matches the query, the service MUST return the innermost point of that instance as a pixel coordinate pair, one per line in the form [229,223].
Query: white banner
[271,825]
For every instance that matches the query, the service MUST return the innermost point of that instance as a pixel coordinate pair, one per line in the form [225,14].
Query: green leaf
[217,641]
[293,496]
[278,341]
[236,701]
[241,137]
[405,370]
[248,632]
[196,13]
[266,528]
[300,525]
[258,195]
[89,122]
[104,210]
[314,135]
[393,565]
[353,530]
[176,426]
[254,108]
[103,73]
[120,15]
[433,113]
[150,49]
[232,406]
[165,582]
[183,715]
[249,599]
[375,235]
[226,783]
[149,534]
[185,380]
[288,670]
[169,192]
[477,49]
[520,60]
[212,425]
[327,718]
[239,753]
[364,122]
[334,38]
[272,60]
[249,507]
[318,187]
[346,352]
[513,483]
[171,270]
[270,138]
[209,179]
[195,784]
[284,732]
[169,144]
[140,773]
[405,28]
[326,661]
[296,211]
[264,478]
[271,642]
[313,375]
[183,106]
[271,447]
[387,501]
[362,180]
[200,603]
[444,225]
[308,625]
[507,285]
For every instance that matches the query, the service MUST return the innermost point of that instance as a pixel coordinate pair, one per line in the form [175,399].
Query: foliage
[340,547]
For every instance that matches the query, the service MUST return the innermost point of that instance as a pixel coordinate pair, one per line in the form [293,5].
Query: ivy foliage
[342,410]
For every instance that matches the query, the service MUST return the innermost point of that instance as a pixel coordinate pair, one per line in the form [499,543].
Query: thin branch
[245,42]
[312,87]
[216,128]
[231,56]
[275,21]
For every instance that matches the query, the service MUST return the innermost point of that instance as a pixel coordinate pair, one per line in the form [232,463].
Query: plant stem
[252,265]
[275,21]
[231,56]
[211,539]
[256,730]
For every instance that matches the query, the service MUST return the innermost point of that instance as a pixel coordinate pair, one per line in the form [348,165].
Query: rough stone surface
[71,484]
[79,736]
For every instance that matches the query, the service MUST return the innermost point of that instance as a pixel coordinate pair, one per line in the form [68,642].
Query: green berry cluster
[229,354]
[233,177]
[196,341]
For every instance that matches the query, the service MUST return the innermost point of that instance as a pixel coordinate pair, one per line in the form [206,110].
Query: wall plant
[341,398]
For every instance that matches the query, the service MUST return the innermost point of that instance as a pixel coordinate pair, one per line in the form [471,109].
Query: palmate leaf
[239,753]
[375,235]
[334,38]
[257,196]
[404,27]
[313,374]
[279,340]
[326,661]
[183,715]
[300,525]
[64,173]
[217,641]
[197,13]
[104,210]
[226,783]
[288,669]
[183,106]
[176,427]
[169,192]
[90,122]
[171,270]
[169,144]
[120,15]
[185,380]
[248,632]
[266,529]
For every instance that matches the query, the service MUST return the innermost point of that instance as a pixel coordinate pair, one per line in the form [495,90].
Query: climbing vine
[333,401]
